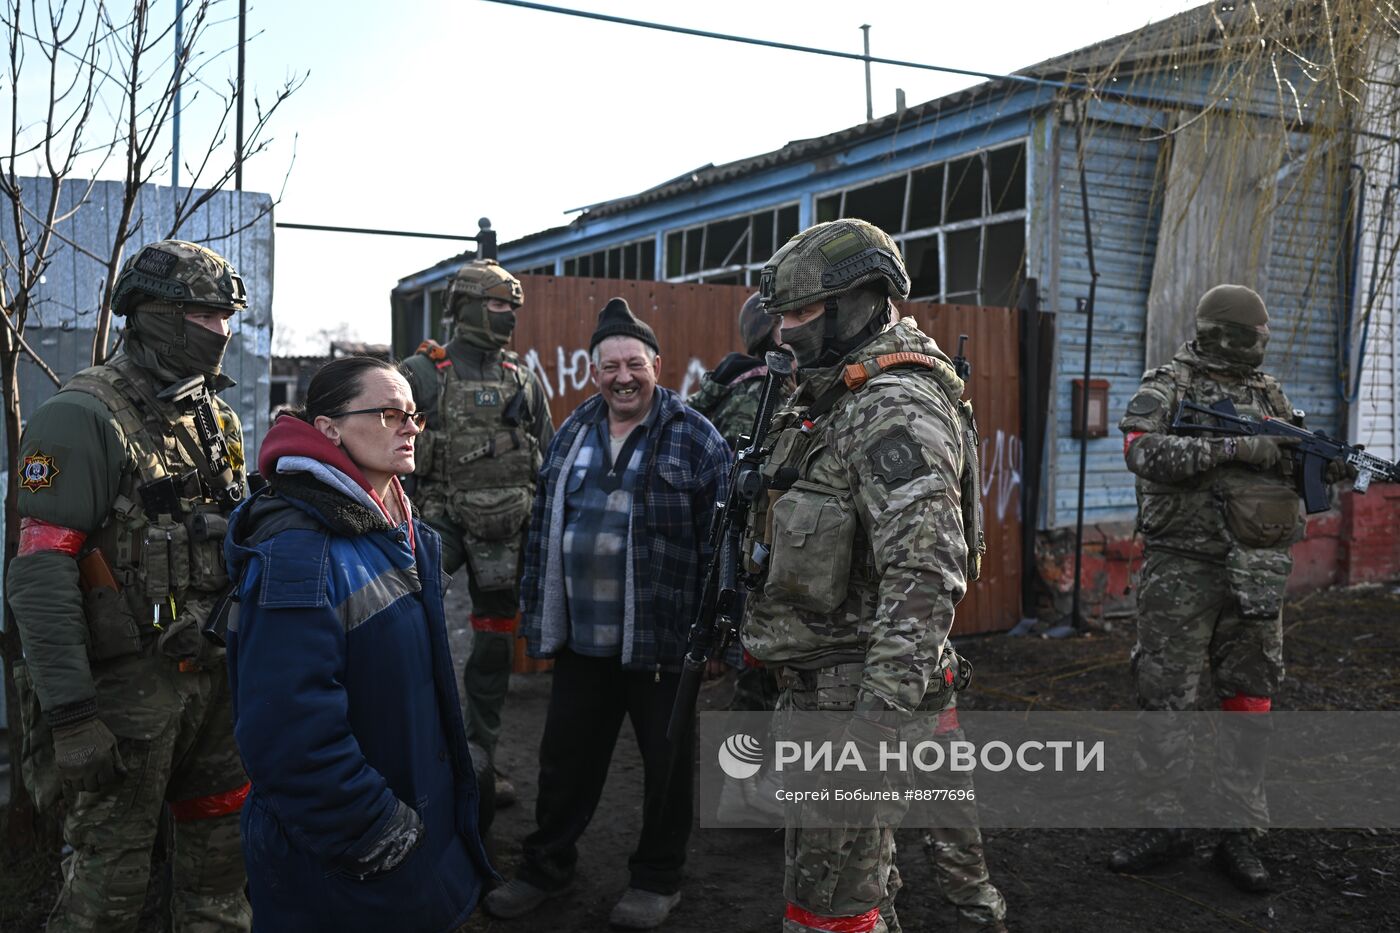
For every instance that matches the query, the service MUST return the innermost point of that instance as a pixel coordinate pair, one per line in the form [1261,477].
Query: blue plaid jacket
[684,473]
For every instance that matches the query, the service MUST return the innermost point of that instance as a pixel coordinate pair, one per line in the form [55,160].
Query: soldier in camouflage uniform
[729,397]
[872,530]
[1218,516]
[488,423]
[127,477]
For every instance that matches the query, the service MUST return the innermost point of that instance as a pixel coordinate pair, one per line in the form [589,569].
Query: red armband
[1129,438]
[1242,702]
[861,923]
[37,536]
[203,808]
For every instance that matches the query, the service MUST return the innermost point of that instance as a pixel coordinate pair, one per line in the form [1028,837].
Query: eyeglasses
[389,417]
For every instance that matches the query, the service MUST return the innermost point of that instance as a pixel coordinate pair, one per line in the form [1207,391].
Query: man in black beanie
[613,568]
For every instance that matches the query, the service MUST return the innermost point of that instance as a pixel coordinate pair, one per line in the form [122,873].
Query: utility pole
[238,133]
[869,101]
[175,122]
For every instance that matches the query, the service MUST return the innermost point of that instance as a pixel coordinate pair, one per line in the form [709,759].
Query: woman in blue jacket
[363,809]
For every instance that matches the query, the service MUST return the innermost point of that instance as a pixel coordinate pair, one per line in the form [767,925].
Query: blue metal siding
[986,124]
[1304,294]
[1124,210]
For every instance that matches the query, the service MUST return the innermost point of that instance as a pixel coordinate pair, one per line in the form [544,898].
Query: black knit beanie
[617,320]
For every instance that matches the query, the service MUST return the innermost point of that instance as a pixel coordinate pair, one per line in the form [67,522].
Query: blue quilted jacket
[345,702]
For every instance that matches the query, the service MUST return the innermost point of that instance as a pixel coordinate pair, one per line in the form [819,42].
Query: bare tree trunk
[26,827]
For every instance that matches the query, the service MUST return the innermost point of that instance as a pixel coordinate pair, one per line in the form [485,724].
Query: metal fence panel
[697,325]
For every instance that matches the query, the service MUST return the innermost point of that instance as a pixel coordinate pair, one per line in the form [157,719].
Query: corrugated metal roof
[1195,28]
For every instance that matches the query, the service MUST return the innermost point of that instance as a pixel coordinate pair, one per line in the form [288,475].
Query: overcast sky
[427,114]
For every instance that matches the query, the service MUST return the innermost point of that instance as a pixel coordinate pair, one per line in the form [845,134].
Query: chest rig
[810,496]
[163,540]
[481,435]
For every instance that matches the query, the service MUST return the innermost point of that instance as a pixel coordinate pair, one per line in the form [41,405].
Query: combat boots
[1147,849]
[1236,857]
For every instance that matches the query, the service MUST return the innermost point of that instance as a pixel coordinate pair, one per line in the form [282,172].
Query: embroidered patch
[156,262]
[488,398]
[37,472]
[1144,403]
[896,458]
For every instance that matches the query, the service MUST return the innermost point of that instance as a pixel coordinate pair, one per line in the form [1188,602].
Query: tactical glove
[1338,470]
[86,755]
[395,841]
[1261,450]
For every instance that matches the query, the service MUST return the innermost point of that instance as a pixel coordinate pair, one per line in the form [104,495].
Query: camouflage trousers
[175,735]
[1226,614]
[851,872]
[492,562]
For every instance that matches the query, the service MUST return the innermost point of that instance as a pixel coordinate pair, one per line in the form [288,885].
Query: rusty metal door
[697,325]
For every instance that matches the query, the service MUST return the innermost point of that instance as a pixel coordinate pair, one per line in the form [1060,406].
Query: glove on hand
[1262,450]
[1338,470]
[86,755]
[400,837]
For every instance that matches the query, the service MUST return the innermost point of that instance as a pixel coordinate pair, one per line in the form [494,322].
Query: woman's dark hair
[336,383]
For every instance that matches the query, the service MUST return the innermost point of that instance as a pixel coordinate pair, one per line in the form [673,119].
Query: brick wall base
[1356,542]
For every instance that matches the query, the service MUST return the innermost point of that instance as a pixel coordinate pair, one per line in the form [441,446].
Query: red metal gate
[697,324]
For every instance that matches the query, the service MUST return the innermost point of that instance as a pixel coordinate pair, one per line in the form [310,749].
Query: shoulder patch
[896,457]
[1144,403]
[37,471]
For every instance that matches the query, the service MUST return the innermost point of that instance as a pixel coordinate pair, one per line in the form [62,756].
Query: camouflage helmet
[482,279]
[830,259]
[179,273]
[756,328]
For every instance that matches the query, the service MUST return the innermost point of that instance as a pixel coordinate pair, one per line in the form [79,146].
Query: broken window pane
[694,241]
[674,253]
[1004,264]
[881,204]
[926,198]
[921,259]
[964,192]
[964,251]
[787,223]
[1006,178]
[724,241]
[828,208]
[761,244]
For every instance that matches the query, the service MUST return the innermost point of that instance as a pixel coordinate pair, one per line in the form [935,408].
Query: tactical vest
[818,578]
[474,443]
[1260,508]
[169,568]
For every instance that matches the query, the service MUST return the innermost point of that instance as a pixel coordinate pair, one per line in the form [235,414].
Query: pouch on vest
[814,530]
[493,514]
[423,453]
[165,559]
[36,762]
[208,572]
[1262,515]
[112,629]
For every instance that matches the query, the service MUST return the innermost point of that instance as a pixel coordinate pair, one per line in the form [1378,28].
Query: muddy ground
[1342,650]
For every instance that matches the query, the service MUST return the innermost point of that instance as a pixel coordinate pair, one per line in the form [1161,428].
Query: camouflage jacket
[867,552]
[479,433]
[86,453]
[729,395]
[1187,488]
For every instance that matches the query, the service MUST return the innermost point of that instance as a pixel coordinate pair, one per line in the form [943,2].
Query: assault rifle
[1311,450]
[193,396]
[716,620]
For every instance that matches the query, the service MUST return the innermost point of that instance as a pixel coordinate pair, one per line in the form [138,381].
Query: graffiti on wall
[1001,472]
